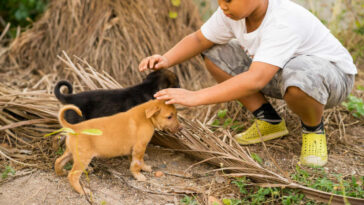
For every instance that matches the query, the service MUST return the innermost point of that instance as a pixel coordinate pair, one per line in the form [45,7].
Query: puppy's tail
[57,90]
[61,119]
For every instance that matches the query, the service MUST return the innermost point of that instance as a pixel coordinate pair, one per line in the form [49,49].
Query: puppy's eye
[169,117]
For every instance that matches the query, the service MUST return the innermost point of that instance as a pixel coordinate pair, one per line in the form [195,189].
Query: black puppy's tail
[57,90]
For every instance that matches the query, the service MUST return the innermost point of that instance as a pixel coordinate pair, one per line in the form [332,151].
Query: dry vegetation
[98,44]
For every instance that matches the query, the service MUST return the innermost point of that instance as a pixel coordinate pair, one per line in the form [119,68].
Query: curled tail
[61,119]
[57,90]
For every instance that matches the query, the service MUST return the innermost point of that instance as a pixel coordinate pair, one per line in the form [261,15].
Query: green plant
[224,121]
[241,184]
[68,166]
[360,87]
[322,182]
[300,175]
[256,158]
[187,200]
[232,202]
[355,105]
[60,151]
[272,195]
[8,170]
[21,12]
[260,196]
[292,197]
[250,195]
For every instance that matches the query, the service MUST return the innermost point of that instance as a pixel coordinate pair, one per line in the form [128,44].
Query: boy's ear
[149,112]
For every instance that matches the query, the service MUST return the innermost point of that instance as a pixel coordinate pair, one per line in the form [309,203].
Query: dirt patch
[44,187]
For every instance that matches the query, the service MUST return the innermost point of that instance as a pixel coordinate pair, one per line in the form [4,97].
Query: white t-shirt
[287,30]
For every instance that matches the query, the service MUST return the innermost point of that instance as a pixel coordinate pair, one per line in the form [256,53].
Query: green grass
[223,120]
[7,171]
[315,178]
[250,194]
[188,200]
[355,105]
[334,183]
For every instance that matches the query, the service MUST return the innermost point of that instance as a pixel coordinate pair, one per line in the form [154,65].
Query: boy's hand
[178,96]
[154,62]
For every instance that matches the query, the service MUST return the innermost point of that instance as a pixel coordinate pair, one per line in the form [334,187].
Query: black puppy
[99,103]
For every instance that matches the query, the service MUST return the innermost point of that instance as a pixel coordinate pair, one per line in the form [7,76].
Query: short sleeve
[217,28]
[277,46]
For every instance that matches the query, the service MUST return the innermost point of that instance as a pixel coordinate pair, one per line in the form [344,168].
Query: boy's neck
[254,20]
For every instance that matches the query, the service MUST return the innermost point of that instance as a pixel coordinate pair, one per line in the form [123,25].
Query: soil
[110,181]
[117,188]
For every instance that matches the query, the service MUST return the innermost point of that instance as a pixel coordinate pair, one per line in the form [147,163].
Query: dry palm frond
[218,148]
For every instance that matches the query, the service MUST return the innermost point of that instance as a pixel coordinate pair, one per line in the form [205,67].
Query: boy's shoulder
[287,10]
[291,15]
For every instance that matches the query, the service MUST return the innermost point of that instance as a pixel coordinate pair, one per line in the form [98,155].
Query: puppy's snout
[179,128]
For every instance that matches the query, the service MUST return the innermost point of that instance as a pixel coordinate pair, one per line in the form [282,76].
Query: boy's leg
[252,102]
[225,61]
[309,84]
[307,108]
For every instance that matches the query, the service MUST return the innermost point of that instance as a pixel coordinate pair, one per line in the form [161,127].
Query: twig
[16,161]
[4,31]
[120,176]
[88,199]
[17,175]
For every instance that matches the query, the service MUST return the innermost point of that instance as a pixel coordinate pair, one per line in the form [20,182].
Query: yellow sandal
[314,149]
[262,131]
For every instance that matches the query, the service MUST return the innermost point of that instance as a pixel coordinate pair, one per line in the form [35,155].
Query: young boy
[267,47]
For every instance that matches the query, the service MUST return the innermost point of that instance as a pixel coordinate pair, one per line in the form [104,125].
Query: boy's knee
[293,92]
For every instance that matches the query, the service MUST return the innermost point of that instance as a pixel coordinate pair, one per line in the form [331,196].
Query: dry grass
[113,36]
[29,115]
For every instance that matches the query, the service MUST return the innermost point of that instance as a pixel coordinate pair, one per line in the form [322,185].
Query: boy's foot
[262,131]
[314,149]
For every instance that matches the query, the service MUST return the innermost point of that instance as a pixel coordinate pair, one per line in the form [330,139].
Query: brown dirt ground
[44,187]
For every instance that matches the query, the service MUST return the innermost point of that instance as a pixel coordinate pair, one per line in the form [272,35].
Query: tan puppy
[122,134]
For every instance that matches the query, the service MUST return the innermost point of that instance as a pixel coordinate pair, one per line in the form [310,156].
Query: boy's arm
[188,47]
[244,84]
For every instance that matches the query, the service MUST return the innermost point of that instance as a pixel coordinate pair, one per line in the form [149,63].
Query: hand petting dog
[171,95]
[178,96]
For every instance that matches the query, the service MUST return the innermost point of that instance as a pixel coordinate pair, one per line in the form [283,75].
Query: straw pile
[113,36]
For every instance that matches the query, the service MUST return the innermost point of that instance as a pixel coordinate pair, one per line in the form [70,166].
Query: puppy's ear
[149,112]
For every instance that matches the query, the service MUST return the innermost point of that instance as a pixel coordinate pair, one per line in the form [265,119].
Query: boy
[267,47]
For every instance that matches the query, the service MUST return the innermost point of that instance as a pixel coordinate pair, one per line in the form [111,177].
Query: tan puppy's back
[124,133]
[119,132]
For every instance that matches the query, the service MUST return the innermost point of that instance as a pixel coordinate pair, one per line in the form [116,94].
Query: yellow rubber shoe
[262,131]
[314,149]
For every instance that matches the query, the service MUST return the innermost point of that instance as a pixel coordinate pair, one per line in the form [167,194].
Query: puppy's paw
[147,168]
[140,177]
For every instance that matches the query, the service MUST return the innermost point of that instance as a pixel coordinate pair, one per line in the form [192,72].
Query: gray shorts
[319,78]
